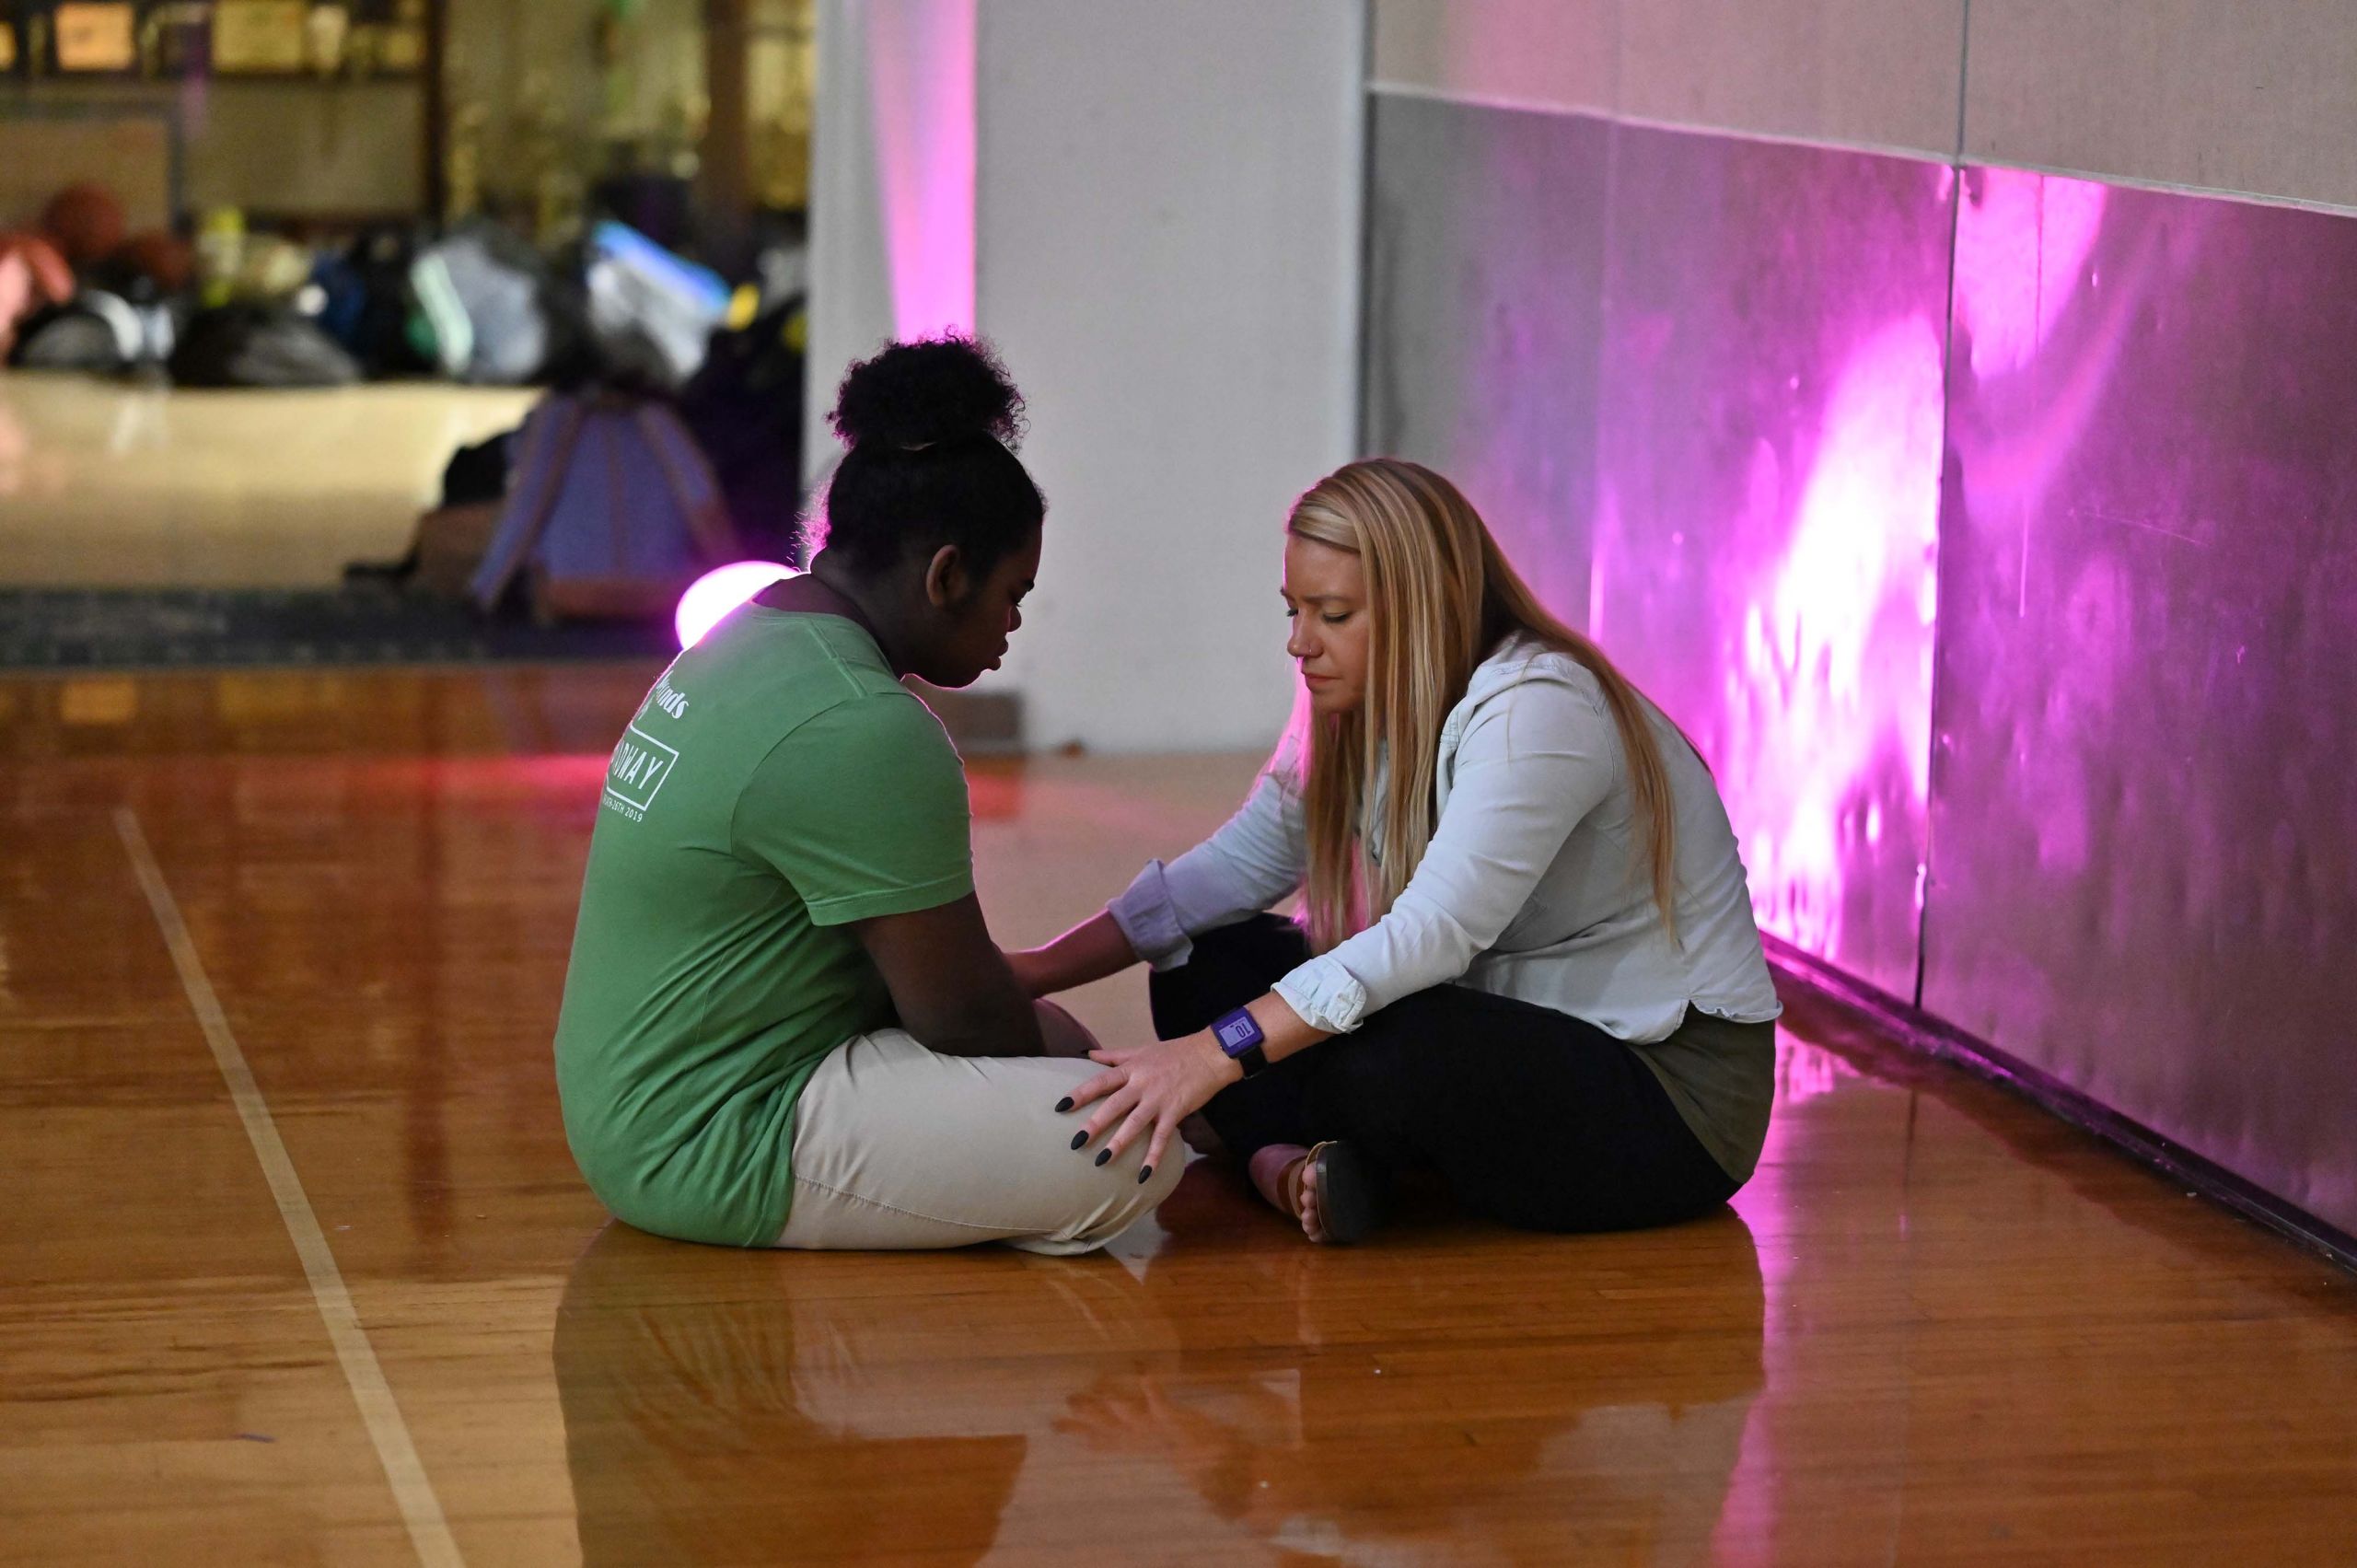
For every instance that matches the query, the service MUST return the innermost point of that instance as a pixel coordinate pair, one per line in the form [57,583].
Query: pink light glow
[920,56]
[1831,702]
[2020,251]
[710,599]
[2001,234]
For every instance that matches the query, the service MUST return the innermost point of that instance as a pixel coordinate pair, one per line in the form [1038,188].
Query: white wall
[1167,250]
[1160,231]
[2259,99]
[2250,100]
[1556,54]
[1861,73]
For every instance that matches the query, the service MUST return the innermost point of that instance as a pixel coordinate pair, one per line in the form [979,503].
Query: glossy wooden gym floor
[295,1268]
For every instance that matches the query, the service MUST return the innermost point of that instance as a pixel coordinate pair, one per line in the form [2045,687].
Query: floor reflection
[115,483]
[1985,1338]
[1230,1392]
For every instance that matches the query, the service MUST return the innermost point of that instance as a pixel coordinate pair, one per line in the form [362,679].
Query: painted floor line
[429,1531]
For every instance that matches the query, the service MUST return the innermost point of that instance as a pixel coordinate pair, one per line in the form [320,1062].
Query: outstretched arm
[1252,863]
[1091,950]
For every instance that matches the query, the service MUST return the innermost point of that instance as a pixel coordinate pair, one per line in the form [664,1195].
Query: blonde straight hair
[1440,596]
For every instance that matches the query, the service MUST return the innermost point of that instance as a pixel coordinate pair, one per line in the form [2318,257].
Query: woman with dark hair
[1527,963]
[785,1022]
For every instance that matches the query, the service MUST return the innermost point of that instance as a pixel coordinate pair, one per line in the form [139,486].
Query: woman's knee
[1229,966]
[1263,940]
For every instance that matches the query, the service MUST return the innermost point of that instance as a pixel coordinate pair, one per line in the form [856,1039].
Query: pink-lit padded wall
[2083,499]
[1767,505]
[2144,823]
[1490,353]
[1706,426]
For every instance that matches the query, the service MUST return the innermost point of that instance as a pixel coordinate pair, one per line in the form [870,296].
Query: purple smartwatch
[1239,1035]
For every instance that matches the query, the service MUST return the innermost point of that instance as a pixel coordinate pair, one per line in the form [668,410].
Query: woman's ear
[945,578]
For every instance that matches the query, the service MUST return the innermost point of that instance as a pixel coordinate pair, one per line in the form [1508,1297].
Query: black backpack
[259,345]
[95,332]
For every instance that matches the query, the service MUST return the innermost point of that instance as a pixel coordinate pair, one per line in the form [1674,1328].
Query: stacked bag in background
[100,298]
[475,304]
[670,441]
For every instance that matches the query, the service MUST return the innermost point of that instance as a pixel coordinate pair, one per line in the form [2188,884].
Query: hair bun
[933,390]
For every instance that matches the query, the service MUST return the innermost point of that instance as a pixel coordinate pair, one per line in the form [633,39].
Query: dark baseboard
[1919,1031]
[76,631]
[983,724]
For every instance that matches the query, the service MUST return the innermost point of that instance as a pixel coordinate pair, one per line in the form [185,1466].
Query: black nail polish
[1065,1104]
[1080,1137]
[1146,1174]
[1104,1154]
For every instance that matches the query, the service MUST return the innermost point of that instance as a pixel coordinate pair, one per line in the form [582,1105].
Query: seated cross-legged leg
[1263,1119]
[1229,968]
[897,1147]
[1529,1117]
[1532,1117]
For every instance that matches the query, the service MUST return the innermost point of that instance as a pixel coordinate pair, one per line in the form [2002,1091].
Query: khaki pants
[896,1146]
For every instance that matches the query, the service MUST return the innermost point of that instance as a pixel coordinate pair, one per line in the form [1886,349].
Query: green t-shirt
[777,785]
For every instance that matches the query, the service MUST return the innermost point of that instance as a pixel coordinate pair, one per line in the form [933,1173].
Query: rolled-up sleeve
[1527,771]
[1257,859]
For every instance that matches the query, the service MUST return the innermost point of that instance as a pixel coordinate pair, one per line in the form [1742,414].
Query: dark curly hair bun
[926,392]
[932,426]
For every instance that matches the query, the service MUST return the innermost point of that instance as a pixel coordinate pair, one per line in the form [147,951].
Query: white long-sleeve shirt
[1533,887]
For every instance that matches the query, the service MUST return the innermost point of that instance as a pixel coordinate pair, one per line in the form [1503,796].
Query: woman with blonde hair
[1525,962]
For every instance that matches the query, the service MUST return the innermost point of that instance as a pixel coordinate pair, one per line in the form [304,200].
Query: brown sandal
[1348,1198]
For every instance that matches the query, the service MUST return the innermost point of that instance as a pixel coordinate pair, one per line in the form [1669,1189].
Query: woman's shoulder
[1529,696]
[1524,671]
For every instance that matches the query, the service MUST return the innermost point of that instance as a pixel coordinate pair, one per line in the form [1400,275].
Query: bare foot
[1312,1224]
[1283,1176]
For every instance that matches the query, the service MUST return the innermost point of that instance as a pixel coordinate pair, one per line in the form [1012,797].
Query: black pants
[1530,1117]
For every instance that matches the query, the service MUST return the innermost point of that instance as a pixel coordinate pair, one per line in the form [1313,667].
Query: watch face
[1238,1034]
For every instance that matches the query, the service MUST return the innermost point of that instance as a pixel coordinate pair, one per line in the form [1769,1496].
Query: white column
[1167,250]
[1153,209]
